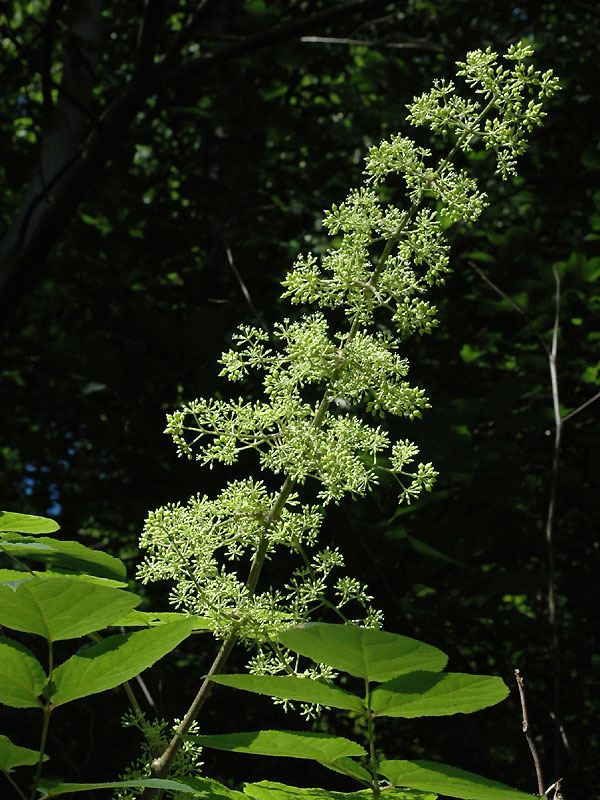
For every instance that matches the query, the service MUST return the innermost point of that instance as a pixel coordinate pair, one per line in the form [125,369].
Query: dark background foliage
[203,144]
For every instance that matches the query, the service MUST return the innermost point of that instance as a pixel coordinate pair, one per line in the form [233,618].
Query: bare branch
[519,309]
[527,732]
[581,407]
[414,45]
[245,291]
[277,35]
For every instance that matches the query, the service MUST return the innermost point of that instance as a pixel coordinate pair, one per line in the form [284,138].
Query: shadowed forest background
[162,166]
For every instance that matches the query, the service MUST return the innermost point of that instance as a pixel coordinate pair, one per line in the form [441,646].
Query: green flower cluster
[322,386]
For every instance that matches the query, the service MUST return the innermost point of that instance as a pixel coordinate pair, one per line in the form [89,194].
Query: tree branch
[283,33]
[47,212]
[416,45]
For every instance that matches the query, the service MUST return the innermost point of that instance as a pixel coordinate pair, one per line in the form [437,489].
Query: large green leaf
[116,659]
[148,619]
[22,677]
[61,607]
[266,790]
[13,577]
[430,694]
[292,688]
[26,523]
[66,555]
[55,788]
[11,755]
[363,652]
[446,780]
[292,744]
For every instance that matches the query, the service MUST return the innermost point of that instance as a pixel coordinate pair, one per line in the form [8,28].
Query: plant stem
[371,738]
[14,785]
[47,710]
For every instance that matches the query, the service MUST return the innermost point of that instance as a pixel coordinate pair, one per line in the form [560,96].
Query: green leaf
[346,766]
[56,788]
[11,755]
[22,677]
[363,652]
[61,607]
[148,619]
[26,523]
[429,694]
[266,790]
[291,744]
[290,687]
[116,659]
[66,555]
[450,781]
[13,577]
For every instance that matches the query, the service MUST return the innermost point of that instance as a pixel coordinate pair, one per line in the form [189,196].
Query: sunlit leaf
[26,523]
[61,607]
[448,781]
[292,688]
[363,652]
[66,555]
[266,790]
[116,659]
[147,619]
[291,744]
[55,788]
[430,694]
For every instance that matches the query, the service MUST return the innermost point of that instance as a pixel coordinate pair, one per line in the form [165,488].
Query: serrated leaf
[447,780]
[148,619]
[56,788]
[62,608]
[66,555]
[290,744]
[11,755]
[267,790]
[363,652]
[291,687]
[430,694]
[116,659]
[26,523]
[22,677]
